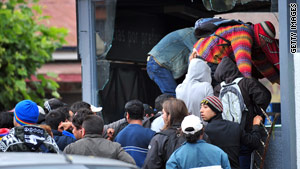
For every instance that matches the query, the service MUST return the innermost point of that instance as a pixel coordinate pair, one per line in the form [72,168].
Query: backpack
[174,141]
[205,27]
[232,100]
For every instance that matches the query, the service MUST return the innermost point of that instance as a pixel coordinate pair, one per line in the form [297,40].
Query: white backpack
[232,100]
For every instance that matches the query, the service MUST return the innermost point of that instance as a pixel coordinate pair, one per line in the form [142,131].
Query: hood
[227,71]
[32,136]
[199,71]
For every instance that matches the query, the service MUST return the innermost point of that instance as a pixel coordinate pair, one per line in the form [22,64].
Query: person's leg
[162,77]
[245,157]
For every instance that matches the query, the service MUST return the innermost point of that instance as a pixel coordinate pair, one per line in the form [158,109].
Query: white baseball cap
[191,124]
[95,109]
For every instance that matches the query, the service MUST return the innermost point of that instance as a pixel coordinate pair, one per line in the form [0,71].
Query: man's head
[160,100]
[135,110]
[149,112]
[210,106]
[92,124]
[192,128]
[78,120]
[78,105]
[65,110]
[54,118]
[26,113]
[52,104]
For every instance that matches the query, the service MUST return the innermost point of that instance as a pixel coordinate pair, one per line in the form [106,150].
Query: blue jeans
[245,157]
[162,77]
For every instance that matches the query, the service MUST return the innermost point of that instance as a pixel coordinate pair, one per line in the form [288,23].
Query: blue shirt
[135,139]
[199,154]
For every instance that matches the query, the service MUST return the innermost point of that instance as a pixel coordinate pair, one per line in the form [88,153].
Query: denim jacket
[172,52]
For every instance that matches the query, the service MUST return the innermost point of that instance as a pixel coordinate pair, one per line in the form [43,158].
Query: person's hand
[193,55]
[257,120]
[64,126]
[110,134]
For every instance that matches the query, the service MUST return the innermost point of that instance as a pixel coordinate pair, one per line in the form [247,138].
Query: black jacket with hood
[255,94]
[229,136]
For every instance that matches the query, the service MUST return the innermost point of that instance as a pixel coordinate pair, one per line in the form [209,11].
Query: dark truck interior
[138,26]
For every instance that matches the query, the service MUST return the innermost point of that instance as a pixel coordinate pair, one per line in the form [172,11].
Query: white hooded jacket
[196,86]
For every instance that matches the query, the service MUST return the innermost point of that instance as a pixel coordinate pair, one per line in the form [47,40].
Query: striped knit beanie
[214,103]
[26,112]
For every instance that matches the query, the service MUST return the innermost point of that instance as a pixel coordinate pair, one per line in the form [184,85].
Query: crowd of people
[189,125]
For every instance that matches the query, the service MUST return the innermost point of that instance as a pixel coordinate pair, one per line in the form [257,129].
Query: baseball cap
[191,124]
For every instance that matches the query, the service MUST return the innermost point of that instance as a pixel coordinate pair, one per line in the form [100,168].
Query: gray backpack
[232,100]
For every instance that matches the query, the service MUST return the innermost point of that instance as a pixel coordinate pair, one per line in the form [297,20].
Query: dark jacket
[28,138]
[96,145]
[61,140]
[162,145]
[147,122]
[228,136]
[255,94]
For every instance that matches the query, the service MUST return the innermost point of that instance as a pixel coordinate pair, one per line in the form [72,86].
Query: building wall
[297,103]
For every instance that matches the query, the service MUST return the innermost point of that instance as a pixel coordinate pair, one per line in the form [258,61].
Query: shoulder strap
[237,80]
[223,83]
[228,43]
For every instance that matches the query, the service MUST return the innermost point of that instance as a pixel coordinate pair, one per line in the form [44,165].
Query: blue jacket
[172,51]
[200,154]
[135,139]
[61,140]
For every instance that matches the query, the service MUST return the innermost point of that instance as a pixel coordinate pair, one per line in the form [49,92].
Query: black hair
[6,119]
[160,100]
[54,117]
[93,124]
[52,104]
[135,109]
[193,138]
[148,110]
[79,117]
[78,105]
[65,110]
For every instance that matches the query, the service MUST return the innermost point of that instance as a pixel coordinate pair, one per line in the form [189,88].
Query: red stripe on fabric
[216,102]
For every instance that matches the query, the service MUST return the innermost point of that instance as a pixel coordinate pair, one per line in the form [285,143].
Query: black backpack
[174,141]
[205,27]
